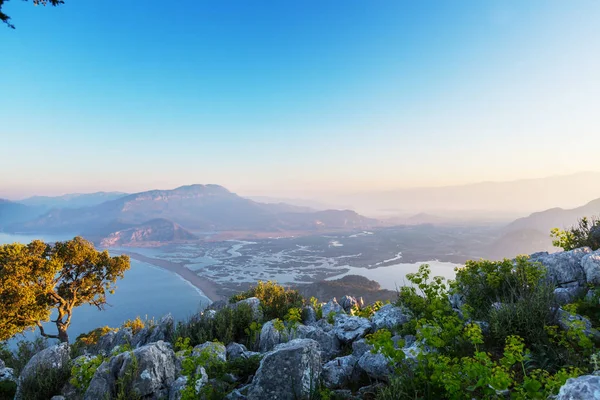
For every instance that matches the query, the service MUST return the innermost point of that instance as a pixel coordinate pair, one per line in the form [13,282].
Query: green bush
[275,299]
[228,325]
[46,382]
[585,233]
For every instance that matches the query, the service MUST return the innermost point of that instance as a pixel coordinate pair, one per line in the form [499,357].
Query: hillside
[206,208]
[11,212]
[72,200]
[158,230]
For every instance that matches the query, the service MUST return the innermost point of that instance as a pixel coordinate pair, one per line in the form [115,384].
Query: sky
[296,98]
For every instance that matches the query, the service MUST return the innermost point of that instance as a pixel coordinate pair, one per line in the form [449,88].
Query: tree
[37,279]
[5,18]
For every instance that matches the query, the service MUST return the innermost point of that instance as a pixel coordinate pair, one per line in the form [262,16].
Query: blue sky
[296,97]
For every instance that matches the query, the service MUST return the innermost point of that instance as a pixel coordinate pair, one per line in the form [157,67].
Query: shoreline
[208,288]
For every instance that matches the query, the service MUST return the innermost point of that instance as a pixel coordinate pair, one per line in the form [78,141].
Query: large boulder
[270,337]
[360,347]
[375,365]
[331,307]
[585,387]
[215,351]
[148,371]
[349,328]
[567,321]
[389,317]
[309,315]
[236,350]
[328,341]
[341,371]
[564,268]
[566,295]
[54,357]
[291,371]
[591,267]
[7,376]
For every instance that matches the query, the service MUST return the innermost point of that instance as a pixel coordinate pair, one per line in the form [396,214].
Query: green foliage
[46,381]
[275,299]
[228,325]
[37,278]
[137,324]
[83,371]
[17,360]
[124,385]
[317,306]
[8,390]
[253,333]
[368,311]
[585,233]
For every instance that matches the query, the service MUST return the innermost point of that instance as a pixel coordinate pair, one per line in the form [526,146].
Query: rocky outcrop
[270,337]
[591,267]
[389,317]
[7,375]
[291,371]
[564,268]
[585,387]
[331,307]
[212,350]
[150,369]
[236,350]
[55,357]
[349,328]
[567,321]
[375,365]
[348,303]
[113,339]
[154,333]
[341,371]
[254,304]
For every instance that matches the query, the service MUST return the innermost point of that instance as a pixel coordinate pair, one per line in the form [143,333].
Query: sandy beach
[207,287]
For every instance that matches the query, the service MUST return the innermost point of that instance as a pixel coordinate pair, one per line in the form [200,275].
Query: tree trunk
[63,336]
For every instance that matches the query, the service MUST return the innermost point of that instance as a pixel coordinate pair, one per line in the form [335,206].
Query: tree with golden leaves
[39,281]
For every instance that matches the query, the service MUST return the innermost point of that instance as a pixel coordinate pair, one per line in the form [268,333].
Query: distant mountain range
[11,213]
[174,214]
[496,199]
[74,200]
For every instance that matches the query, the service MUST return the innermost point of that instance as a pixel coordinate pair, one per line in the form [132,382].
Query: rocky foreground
[330,351]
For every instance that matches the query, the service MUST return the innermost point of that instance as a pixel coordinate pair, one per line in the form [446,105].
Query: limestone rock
[331,307]
[591,267]
[309,315]
[291,371]
[54,357]
[360,347]
[154,367]
[270,337]
[585,387]
[254,304]
[216,351]
[389,317]
[236,350]
[339,372]
[348,302]
[564,268]
[375,365]
[349,328]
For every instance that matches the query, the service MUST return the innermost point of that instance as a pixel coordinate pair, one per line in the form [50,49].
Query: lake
[394,276]
[146,290]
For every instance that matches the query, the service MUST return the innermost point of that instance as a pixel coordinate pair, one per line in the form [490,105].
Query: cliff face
[158,230]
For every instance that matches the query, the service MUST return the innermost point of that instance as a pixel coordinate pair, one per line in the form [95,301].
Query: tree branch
[43,333]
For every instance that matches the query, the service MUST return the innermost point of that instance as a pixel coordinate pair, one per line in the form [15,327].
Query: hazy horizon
[307,101]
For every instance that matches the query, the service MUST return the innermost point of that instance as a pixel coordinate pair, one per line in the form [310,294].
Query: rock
[412,351]
[566,320]
[389,317]
[58,398]
[54,357]
[210,314]
[323,325]
[360,347]
[270,337]
[371,391]
[564,268]
[236,350]
[586,387]
[457,300]
[567,295]
[309,315]
[235,395]
[112,339]
[339,372]
[254,304]
[375,365]
[215,351]
[151,334]
[202,380]
[153,368]
[332,307]
[344,394]
[328,342]
[349,328]
[291,371]
[409,340]
[591,267]
[7,375]
[217,305]
[175,392]
[348,303]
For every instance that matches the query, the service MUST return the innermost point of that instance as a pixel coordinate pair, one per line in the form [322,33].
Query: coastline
[208,288]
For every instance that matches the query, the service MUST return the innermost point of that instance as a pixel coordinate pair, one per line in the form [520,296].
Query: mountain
[544,221]
[308,203]
[11,212]
[157,230]
[205,208]
[517,197]
[73,200]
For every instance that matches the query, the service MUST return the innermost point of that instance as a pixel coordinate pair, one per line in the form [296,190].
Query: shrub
[25,350]
[83,371]
[46,382]
[275,299]
[137,324]
[585,233]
